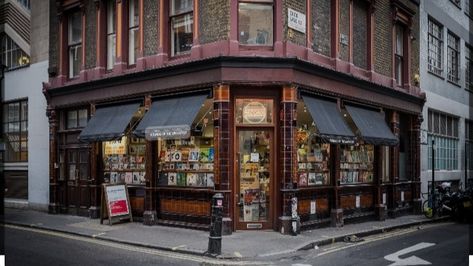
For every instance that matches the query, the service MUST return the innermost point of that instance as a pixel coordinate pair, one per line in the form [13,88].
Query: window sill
[256,47]
[435,74]
[454,83]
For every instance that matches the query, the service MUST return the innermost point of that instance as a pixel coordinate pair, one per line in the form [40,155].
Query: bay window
[255,22]
[181,14]
[74,43]
[133,31]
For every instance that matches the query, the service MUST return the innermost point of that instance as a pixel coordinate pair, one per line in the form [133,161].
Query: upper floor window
[399,54]
[435,50]
[25,3]
[468,8]
[74,43]
[255,22]
[133,31]
[468,68]
[456,2]
[453,62]
[181,13]
[11,54]
[111,34]
[76,119]
[15,130]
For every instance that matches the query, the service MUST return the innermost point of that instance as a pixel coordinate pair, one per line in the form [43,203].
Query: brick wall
[214,20]
[344,29]
[53,35]
[90,34]
[383,38]
[150,27]
[321,26]
[291,35]
[360,31]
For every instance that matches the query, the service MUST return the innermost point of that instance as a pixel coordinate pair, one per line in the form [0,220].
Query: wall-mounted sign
[115,146]
[254,113]
[168,132]
[357,201]
[313,207]
[423,137]
[296,20]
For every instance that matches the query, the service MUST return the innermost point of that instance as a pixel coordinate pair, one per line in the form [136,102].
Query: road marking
[150,251]
[99,234]
[412,260]
[298,264]
[237,254]
[178,247]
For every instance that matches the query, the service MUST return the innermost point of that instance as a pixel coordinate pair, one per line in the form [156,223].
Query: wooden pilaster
[223,180]
[53,163]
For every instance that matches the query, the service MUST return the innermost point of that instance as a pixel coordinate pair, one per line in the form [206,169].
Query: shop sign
[168,132]
[296,20]
[115,147]
[341,141]
[117,200]
[254,113]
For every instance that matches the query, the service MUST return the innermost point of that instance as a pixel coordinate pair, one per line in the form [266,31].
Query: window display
[124,161]
[186,162]
[313,160]
[356,164]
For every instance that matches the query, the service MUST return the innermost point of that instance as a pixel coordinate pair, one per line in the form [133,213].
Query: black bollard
[215,238]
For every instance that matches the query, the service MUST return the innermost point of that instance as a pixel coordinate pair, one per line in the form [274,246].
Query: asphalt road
[30,247]
[441,244]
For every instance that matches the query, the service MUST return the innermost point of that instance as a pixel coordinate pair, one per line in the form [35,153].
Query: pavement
[243,245]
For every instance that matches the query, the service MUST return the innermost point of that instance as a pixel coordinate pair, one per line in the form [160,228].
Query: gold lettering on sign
[254,113]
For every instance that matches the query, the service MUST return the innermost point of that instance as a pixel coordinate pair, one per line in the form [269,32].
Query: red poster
[117,200]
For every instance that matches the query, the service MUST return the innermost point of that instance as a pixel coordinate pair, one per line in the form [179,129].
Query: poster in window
[172,179]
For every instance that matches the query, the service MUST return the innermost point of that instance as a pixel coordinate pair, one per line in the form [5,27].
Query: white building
[24,51]
[446,77]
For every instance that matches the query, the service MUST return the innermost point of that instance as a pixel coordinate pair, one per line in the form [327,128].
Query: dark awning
[372,126]
[108,123]
[171,114]
[328,120]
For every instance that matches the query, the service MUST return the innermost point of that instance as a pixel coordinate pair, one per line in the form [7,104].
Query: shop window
[133,31]
[356,164]
[313,156]
[399,54]
[111,34]
[435,47]
[181,14]
[255,22]
[468,68]
[254,111]
[469,143]
[76,119]
[15,130]
[11,54]
[124,160]
[386,164]
[453,63]
[189,162]
[74,43]
[443,129]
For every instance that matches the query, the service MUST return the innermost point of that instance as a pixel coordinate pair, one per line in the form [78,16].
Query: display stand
[115,204]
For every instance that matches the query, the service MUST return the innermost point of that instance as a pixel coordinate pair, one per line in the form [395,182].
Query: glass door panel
[254,175]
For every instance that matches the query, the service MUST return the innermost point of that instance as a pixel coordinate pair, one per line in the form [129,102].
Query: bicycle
[442,201]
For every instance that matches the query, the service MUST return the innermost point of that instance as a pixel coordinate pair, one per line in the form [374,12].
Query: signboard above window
[254,111]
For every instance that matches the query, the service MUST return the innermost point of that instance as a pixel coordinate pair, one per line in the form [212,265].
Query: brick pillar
[223,180]
[150,216]
[288,177]
[53,164]
[414,155]
[394,154]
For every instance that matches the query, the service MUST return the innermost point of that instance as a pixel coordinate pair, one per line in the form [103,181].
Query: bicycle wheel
[427,210]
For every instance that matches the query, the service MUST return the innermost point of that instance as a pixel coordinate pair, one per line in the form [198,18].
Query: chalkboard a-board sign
[115,204]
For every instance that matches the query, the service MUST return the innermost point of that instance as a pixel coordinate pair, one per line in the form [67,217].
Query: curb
[328,241]
[108,239]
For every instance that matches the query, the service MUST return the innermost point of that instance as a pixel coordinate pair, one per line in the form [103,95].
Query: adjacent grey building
[24,32]
[446,76]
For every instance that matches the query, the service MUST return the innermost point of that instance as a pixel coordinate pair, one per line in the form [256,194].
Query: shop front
[279,154]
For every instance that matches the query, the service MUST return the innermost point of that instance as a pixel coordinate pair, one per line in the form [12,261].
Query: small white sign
[296,20]
[357,203]
[313,207]
[423,137]
[402,196]
[254,157]
[384,198]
